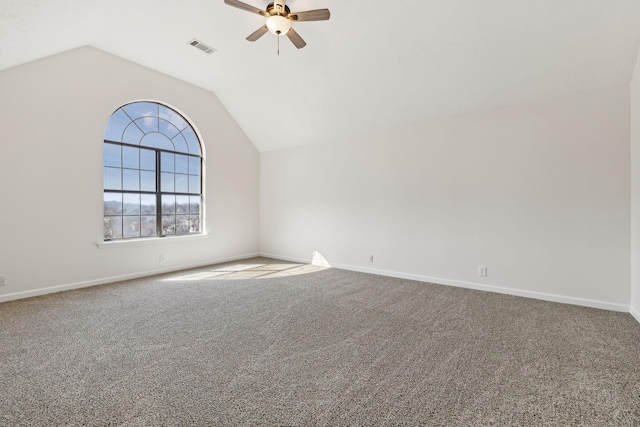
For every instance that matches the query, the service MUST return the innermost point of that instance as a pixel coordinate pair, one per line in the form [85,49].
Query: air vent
[203,47]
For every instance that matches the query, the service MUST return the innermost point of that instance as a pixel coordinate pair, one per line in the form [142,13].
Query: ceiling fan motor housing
[278,7]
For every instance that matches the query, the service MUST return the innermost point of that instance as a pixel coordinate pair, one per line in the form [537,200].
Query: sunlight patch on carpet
[251,271]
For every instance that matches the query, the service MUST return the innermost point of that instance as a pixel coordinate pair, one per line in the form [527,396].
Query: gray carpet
[263,342]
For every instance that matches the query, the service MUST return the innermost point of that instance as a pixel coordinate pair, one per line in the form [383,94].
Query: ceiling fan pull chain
[278,44]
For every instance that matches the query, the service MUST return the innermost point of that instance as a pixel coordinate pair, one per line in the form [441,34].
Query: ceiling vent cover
[203,47]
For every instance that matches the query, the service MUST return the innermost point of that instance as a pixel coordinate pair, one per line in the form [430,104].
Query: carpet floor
[265,342]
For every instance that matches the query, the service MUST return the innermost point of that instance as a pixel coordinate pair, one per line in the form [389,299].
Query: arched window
[152,173]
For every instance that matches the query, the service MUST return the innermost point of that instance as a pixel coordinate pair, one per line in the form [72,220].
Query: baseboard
[420,278]
[78,285]
[635,313]
[476,286]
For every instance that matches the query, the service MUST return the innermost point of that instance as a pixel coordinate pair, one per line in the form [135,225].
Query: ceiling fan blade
[258,33]
[310,15]
[295,38]
[247,7]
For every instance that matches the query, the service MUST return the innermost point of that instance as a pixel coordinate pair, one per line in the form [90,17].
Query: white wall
[53,114]
[635,192]
[539,194]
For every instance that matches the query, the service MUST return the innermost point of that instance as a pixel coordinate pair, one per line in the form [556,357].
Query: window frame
[160,214]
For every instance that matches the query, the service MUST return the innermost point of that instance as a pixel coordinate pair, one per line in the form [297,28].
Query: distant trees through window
[152,173]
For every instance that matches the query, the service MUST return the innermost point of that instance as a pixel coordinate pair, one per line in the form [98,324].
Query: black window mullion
[125,144]
[129,191]
[158,197]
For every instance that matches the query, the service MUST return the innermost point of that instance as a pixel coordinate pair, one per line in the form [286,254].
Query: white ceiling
[375,65]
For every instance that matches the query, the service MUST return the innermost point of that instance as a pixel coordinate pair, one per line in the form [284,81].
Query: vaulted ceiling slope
[375,65]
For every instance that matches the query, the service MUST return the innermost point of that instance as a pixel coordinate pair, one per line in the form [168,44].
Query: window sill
[149,241]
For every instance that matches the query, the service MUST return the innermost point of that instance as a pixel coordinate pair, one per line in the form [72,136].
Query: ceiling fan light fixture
[278,25]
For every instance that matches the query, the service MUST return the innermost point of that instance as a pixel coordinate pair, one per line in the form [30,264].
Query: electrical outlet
[482,271]
[371,258]
[3,279]
[161,257]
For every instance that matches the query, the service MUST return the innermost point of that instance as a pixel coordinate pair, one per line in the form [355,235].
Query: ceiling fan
[279,19]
